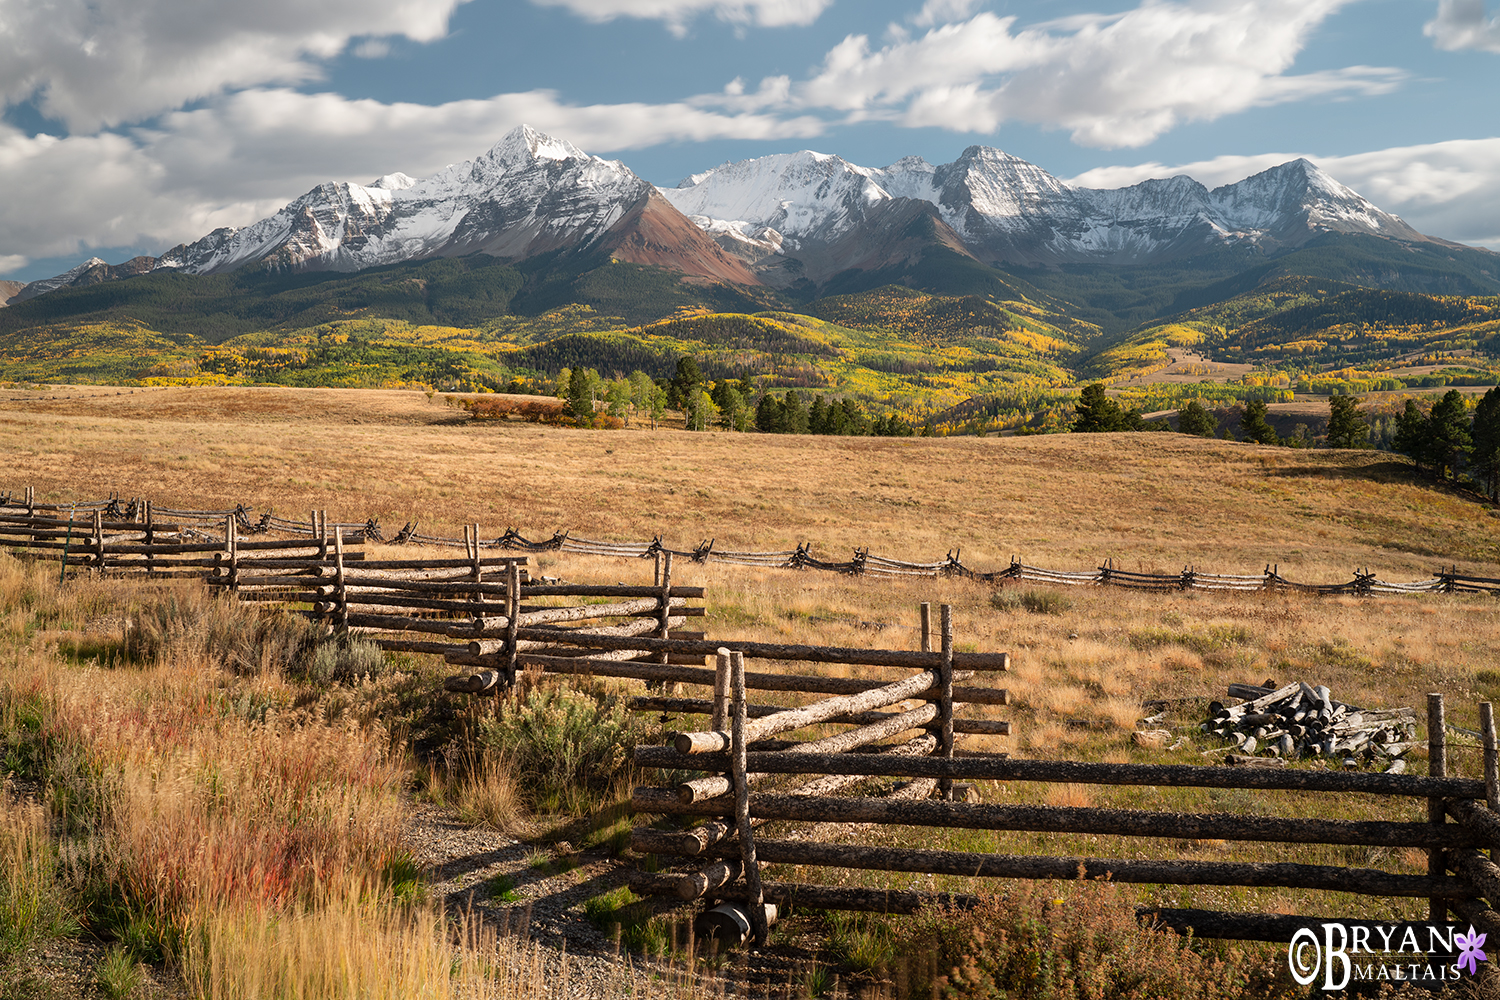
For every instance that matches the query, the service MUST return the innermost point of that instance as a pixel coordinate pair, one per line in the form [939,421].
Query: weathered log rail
[1461,878]
[861,561]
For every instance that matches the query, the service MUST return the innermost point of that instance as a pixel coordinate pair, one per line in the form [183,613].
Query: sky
[130,126]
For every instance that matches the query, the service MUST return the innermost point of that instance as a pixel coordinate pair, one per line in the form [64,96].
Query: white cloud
[677,13]
[244,156]
[12,262]
[935,12]
[1111,80]
[1461,24]
[372,48]
[1445,189]
[96,63]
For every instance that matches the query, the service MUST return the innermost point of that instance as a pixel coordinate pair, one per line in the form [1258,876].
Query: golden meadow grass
[1079,676]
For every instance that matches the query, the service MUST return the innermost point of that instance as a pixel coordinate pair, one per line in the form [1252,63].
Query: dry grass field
[1084,669]
[1150,501]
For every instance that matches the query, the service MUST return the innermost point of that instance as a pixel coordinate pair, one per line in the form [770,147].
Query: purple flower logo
[1470,956]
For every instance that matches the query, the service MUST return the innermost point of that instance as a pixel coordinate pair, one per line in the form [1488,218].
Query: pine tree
[1194,419]
[1254,426]
[1097,413]
[684,383]
[770,415]
[580,403]
[1448,433]
[817,417]
[795,413]
[1412,438]
[1346,428]
[1486,456]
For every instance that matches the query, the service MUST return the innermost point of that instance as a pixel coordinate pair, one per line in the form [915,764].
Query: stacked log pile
[1300,720]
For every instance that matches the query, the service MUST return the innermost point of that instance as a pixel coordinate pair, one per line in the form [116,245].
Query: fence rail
[1459,877]
[862,562]
[479,611]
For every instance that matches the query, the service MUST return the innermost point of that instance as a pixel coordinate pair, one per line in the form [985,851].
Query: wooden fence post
[664,612]
[755,899]
[231,553]
[720,717]
[1437,767]
[1491,764]
[926,627]
[150,540]
[945,696]
[341,607]
[513,618]
[99,542]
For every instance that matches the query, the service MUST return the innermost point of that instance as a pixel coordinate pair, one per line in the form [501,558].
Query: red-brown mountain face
[653,232]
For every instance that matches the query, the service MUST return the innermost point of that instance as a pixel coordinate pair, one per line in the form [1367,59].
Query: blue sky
[133,125]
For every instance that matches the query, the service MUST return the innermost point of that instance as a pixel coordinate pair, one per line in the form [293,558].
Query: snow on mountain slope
[528,194]
[791,217]
[1006,209]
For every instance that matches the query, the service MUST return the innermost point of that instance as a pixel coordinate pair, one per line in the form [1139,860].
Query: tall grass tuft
[32,904]
[352,947]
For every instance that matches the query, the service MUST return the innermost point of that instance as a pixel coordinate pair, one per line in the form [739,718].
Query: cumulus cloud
[943,11]
[1111,80]
[1445,189]
[1461,24]
[677,13]
[97,63]
[245,155]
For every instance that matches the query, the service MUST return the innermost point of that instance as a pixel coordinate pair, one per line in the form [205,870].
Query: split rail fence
[481,613]
[725,853]
[861,563]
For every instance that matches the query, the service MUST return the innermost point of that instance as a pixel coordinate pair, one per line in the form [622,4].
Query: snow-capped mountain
[1003,208]
[780,220]
[530,194]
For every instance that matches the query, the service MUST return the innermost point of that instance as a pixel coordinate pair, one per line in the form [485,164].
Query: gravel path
[549,887]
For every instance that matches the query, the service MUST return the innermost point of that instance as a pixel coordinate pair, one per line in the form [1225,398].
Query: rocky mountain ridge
[787,219]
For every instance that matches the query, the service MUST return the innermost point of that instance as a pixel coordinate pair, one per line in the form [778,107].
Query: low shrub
[567,748]
[1038,941]
[1037,602]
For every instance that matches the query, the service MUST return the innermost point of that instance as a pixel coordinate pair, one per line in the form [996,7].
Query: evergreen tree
[770,415]
[684,383]
[1448,433]
[795,413]
[1194,419]
[1097,413]
[733,411]
[1412,438]
[852,418]
[817,418]
[580,403]
[1254,426]
[1346,428]
[1486,456]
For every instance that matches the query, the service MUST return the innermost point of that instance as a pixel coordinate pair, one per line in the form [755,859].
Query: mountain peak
[525,142]
[393,182]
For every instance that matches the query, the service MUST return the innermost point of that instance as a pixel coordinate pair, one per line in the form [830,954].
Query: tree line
[1450,440]
[727,404]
